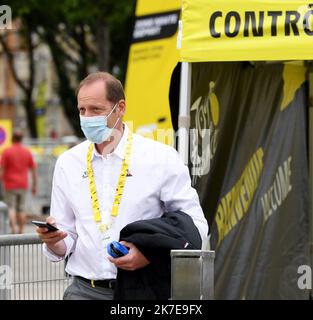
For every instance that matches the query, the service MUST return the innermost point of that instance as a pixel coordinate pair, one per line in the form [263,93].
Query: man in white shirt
[106,182]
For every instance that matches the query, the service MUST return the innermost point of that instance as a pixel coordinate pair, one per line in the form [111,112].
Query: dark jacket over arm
[155,238]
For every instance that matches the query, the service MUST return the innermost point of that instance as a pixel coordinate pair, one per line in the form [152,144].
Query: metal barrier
[25,273]
[45,152]
[192,275]
[4,218]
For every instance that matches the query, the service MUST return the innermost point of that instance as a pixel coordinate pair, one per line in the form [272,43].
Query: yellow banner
[5,134]
[152,58]
[40,109]
[241,30]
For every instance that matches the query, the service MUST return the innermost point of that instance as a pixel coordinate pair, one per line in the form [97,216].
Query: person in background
[16,161]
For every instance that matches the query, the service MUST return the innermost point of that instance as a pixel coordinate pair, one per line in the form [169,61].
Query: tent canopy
[246,30]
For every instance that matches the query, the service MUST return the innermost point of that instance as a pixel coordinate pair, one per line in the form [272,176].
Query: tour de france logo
[206,113]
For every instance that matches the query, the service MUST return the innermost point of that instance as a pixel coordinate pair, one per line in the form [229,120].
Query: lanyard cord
[120,184]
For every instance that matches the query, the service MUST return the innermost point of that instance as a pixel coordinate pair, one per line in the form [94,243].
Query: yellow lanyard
[119,188]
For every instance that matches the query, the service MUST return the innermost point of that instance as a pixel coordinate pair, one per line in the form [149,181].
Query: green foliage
[71,30]
[49,15]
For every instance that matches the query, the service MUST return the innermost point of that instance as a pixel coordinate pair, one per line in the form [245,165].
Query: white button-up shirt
[158,182]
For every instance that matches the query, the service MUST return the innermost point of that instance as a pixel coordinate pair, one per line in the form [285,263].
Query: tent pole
[184,111]
[311,166]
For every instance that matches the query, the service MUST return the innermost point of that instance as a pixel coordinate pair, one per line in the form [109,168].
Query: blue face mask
[96,128]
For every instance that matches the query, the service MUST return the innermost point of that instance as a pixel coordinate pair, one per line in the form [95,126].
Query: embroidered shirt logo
[85,175]
[128,174]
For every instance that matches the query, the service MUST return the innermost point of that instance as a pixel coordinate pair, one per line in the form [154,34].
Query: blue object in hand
[116,249]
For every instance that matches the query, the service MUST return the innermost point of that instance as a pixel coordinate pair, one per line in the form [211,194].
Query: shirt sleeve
[63,214]
[178,194]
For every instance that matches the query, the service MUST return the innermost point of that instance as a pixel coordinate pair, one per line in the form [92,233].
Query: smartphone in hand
[47,225]
[116,249]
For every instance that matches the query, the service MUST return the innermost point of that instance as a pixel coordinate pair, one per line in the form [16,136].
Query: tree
[78,33]
[26,86]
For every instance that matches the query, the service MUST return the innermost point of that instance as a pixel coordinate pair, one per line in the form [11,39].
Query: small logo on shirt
[85,175]
[128,174]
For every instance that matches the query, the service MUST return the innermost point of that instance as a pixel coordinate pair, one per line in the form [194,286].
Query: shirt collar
[119,149]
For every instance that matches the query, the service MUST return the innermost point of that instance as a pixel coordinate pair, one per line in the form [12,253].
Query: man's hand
[132,261]
[53,239]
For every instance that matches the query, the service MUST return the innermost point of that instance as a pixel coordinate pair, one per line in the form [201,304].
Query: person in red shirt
[16,161]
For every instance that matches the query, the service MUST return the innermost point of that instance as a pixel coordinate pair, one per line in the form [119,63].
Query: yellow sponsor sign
[152,59]
[40,109]
[227,30]
[5,134]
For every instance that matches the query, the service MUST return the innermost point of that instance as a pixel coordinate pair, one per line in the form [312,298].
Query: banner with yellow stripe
[255,195]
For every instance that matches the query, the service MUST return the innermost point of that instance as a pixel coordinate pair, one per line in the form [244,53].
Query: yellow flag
[152,58]
[40,108]
[5,134]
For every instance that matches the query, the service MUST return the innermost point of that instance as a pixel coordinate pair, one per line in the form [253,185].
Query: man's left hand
[132,261]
